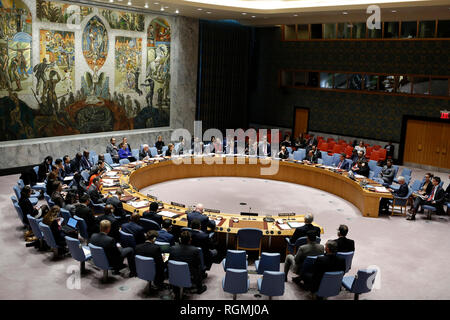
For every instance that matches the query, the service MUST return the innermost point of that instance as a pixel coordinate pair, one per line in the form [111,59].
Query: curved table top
[141,174]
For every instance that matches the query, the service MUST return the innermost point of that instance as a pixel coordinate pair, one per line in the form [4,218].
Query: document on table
[111,173]
[167,214]
[359,176]
[294,224]
[108,182]
[381,189]
[138,204]
[68,178]
[284,226]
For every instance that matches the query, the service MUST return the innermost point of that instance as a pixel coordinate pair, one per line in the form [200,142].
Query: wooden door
[301,121]
[414,142]
[444,157]
[427,143]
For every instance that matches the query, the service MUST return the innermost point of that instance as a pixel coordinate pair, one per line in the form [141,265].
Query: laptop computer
[72,223]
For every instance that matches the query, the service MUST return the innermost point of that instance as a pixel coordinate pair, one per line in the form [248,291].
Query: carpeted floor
[412,257]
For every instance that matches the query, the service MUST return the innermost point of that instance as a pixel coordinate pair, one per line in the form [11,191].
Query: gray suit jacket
[112,151]
[309,249]
[387,174]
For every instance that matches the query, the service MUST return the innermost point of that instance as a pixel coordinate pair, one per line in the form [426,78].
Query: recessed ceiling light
[146,6]
[166,7]
[345,12]
[155,2]
[162,8]
[199,9]
[176,11]
[295,15]
[244,13]
[129,3]
[394,11]
[209,12]
[111,0]
[253,16]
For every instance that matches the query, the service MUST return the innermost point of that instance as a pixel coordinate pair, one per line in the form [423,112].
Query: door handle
[419,147]
[437,150]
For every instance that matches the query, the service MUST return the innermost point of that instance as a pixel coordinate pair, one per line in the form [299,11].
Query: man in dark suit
[134,228]
[83,211]
[185,252]
[344,244]
[117,204]
[152,214]
[341,163]
[75,164]
[310,158]
[151,250]
[67,167]
[108,214]
[85,162]
[112,149]
[312,141]
[301,231]
[204,220]
[436,199]
[310,249]
[201,239]
[400,193]
[145,152]
[114,254]
[44,169]
[94,191]
[56,196]
[329,262]
[388,173]
[165,235]
[390,150]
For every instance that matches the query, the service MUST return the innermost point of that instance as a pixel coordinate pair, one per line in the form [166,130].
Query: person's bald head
[199,208]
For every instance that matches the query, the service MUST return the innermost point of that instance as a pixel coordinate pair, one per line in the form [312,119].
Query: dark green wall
[354,114]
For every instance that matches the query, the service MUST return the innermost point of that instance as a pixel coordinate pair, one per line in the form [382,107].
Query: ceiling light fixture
[345,12]
[244,13]
[146,6]
[176,11]
[199,9]
[295,15]
[394,11]
[129,3]
[209,12]
[162,8]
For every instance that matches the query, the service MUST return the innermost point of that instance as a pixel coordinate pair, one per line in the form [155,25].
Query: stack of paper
[138,204]
[284,226]
[108,182]
[111,173]
[167,214]
[381,189]
[294,224]
[68,178]
[280,221]
[359,176]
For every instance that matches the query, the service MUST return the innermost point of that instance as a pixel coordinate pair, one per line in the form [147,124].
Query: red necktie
[340,164]
[430,198]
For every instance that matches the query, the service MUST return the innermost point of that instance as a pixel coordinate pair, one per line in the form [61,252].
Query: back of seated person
[151,250]
[329,262]
[44,169]
[114,200]
[302,231]
[134,228]
[108,214]
[94,191]
[185,252]
[114,254]
[152,214]
[204,220]
[56,196]
[201,239]
[343,243]
[83,211]
[165,235]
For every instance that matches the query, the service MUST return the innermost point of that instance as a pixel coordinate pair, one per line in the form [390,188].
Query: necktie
[430,198]
[340,164]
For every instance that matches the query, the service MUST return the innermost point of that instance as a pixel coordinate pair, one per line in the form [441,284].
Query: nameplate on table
[168,214]
[152,197]
[286,214]
[177,204]
[212,210]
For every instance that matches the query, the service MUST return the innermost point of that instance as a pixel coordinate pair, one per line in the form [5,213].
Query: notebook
[294,224]
[168,214]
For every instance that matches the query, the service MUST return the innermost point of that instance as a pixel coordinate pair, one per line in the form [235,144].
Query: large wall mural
[49,11]
[64,92]
[124,20]
[158,63]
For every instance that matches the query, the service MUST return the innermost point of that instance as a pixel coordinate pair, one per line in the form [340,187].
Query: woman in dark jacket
[44,169]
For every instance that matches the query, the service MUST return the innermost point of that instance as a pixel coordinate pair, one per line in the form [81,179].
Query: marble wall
[183,92]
